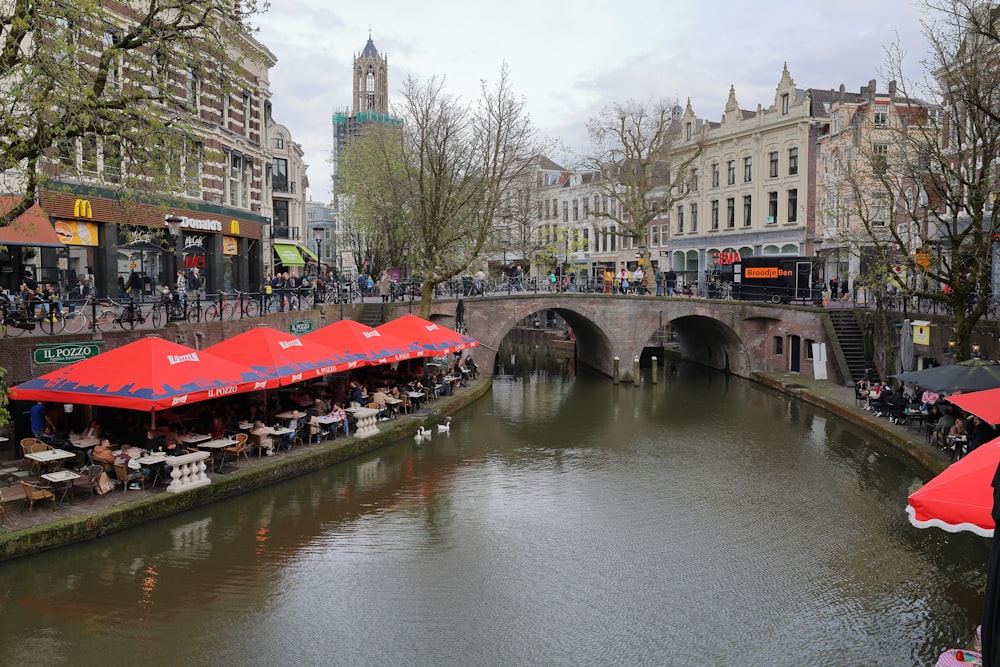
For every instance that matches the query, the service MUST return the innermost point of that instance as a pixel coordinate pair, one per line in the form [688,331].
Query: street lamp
[318,235]
[173,223]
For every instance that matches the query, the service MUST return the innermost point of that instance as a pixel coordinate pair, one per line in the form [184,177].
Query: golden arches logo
[234,227]
[82,209]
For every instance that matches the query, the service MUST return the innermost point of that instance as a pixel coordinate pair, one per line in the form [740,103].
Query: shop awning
[309,254]
[288,254]
[31,228]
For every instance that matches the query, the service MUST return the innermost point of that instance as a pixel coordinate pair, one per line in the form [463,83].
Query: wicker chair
[89,479]
[127,476]
[35,491]
[240,448]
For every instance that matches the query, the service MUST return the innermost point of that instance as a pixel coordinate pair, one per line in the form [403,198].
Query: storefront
[29,243]
[110,239]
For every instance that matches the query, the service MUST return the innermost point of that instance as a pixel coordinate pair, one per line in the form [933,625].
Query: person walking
[670,281]
[834,288]
[844,289]
[181,286]
[384,286]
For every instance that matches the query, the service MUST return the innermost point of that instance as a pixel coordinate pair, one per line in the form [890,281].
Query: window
[193,151]
[597,204]
[576,210]
[879,208]
[779,345]
[565,211]
[784,104]
[192,87]
[715,175]
[694,217]
[880,158]
[772,208]
[586,207]
[279,171]
[773,160]
[680,219]
[747,169]
[793,205]
[548,209]
[111,160]
[585,243]
[247,109]
[236,180]
[715,214]
[88,154]
[747,210]
[809,348]
[687,130]
[108,41]
[881,115]
[279,142]
[694,180]
[793,161]
[731,172]
[654,236]
[730,213]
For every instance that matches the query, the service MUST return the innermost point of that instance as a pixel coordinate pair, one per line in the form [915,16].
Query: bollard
[635,371]
[614,373]
[654,370]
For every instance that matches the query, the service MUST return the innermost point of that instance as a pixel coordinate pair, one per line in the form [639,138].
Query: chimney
[892,88]
[871,89]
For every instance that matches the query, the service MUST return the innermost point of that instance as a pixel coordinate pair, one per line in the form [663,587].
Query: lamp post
[173,223]
[318,235]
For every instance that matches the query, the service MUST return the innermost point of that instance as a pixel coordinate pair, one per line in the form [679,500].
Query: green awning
[288,254]
[308,253]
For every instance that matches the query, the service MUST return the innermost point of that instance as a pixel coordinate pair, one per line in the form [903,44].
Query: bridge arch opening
[711,343]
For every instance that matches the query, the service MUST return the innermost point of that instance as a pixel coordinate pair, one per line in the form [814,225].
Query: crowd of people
[318,410]
[949,428]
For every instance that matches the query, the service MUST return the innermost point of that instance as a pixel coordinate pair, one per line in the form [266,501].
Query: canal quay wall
[114,515]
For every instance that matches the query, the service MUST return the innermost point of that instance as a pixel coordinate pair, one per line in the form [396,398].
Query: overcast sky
[570,59]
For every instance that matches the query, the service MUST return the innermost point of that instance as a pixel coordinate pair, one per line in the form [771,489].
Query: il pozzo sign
[65,353]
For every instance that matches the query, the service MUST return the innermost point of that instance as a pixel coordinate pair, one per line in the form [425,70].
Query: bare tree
[443,174]
[922,179]
[115,80]
[630,147]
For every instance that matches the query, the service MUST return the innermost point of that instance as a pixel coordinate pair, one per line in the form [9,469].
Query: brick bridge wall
[738,337]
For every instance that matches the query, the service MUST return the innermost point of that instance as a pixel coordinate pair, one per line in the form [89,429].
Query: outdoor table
[81,442]
[327,420]
[245,426]
[416,397]
[949,658]
[61,480]
[279,430]
[218,447]
[287,414]
[154,461]
[194,438]
[392,403]
[50,457]
[914,417]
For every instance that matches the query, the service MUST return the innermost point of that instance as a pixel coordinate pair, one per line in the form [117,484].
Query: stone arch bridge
[734,336]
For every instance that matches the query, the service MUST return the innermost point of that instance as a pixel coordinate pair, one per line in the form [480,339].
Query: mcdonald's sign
[234,227]
[81,209]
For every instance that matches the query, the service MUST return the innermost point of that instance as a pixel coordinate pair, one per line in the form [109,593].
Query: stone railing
[188,471]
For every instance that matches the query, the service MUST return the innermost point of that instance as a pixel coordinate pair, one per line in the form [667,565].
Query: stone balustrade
[188,471]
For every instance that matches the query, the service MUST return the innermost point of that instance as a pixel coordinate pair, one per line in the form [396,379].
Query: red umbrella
[961,497]
[984,404]
[359,344]
[149,374]
[427,339]
[279,355]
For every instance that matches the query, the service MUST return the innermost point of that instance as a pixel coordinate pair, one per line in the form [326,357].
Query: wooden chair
[405,406]
[33,447]
[257,442]
[240,448]
[88,480]
[126,476]
[35,491]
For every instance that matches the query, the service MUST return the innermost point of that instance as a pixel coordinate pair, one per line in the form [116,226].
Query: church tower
[371,81]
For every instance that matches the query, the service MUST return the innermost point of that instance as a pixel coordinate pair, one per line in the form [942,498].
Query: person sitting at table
[927,399]
[263,437]
[980,433]
[92,431]
[337,412]
[217,429]
[956,434]
[154,442]
[127,457]
[293,425]
[943,427]
[470,364]
[104,454]
[379,396]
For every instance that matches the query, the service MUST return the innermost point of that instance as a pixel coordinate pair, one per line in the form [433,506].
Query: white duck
[446,426]
[421,435]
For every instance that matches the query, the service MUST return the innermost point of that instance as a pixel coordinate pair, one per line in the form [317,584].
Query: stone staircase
[845,324]
[371,314]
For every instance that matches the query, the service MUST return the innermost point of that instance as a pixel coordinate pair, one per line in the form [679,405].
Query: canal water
[562,521]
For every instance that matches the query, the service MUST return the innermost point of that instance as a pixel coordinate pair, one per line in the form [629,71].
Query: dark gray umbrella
[971,375]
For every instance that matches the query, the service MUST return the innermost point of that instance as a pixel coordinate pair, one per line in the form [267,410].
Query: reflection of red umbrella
[961,497]
[359,344]
[427,339]
[280,355]
[984,404]
[149,374]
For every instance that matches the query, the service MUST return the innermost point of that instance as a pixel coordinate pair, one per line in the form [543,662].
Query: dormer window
[784,104]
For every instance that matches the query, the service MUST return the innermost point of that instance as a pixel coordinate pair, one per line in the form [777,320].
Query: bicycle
[241,304]
[57,320]
[14,321]
[112,312]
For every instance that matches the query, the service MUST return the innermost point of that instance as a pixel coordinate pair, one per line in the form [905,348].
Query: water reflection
[562,521]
